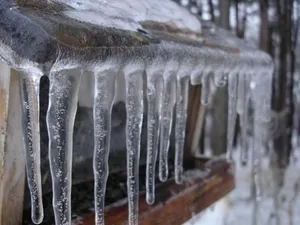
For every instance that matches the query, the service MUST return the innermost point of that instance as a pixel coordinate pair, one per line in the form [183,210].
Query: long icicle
[232,92]
[103,102]
[205,88]
[244,157]
[30,104]
[261,92]
[154,96]
[61,113]
[241,92]
[134,112]
[181,113]
[169,100]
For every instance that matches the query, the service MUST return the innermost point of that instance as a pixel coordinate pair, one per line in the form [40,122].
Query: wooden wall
[12,162]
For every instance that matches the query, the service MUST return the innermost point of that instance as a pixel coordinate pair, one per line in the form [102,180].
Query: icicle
[232,92]
[169,99]
[63,96]
[134,111]
[244,144]
[29,87]
[103,101]
[241,93]
[244,122]
[205,89]
[220,79]
[154,96]
[196,77]
[257,160]
[181,113]
[261,92]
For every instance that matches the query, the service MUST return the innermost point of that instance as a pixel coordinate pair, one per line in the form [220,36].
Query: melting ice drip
[167,88]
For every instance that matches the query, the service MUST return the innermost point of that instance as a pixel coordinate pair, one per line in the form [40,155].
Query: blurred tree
[211,10]
[224,19]
[264,26]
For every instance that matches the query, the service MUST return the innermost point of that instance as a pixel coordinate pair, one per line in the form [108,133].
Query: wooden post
[12,162]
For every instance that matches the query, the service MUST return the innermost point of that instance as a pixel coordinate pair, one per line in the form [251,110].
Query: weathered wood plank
[194,121]
[175,204]
[12,165]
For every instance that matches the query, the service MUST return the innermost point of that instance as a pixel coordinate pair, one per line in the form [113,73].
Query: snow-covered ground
[278,205]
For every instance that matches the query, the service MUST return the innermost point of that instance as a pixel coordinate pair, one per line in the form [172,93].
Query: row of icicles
[164,93]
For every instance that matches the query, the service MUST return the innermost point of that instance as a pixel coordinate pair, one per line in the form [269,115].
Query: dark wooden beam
[175,204]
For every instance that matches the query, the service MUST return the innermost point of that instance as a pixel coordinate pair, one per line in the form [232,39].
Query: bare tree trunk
[211,10]
[224,8]
[292,37]
[241,19]
[264,26]
[283,94]
[237,20]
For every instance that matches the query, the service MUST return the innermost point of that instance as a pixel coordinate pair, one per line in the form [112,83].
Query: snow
[277,205]
[127,13]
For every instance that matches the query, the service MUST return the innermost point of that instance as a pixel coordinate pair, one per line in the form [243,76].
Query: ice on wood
[135,38]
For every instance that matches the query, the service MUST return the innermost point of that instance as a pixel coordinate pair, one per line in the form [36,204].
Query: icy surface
[64,86]
[103,101]
[29,87]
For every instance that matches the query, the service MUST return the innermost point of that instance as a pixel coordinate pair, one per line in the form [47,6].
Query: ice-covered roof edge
[120,46]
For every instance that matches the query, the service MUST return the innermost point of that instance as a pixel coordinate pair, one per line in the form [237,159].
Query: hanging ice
[205,91]
[61,113]
[169,99]
[154,96]
[134,112]
[232,93]
[261,95]
[29,87]
[181,112]
[220,78]
[103,101]
[244,136]
[241,92]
